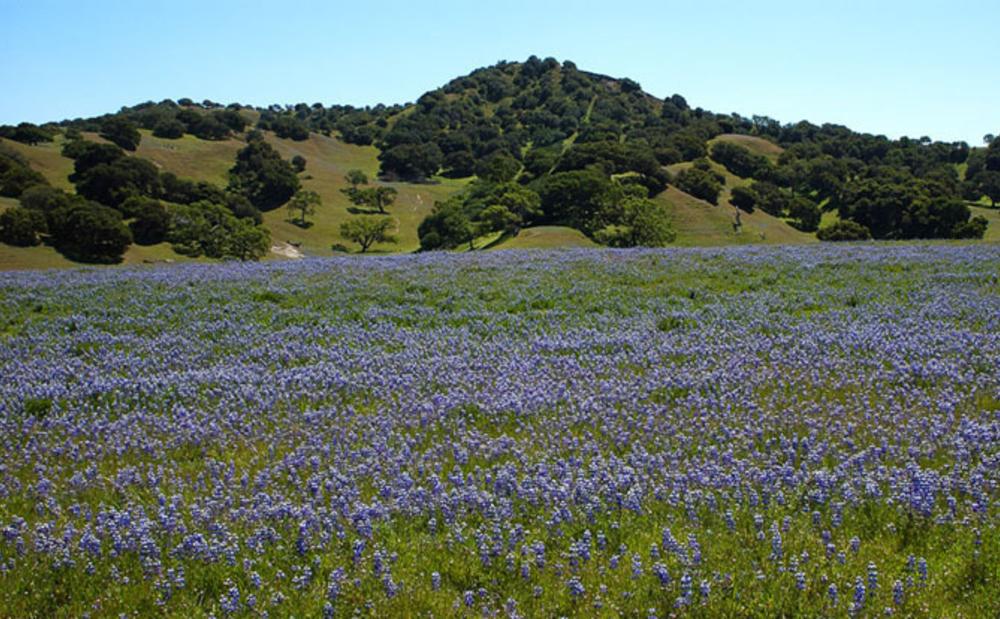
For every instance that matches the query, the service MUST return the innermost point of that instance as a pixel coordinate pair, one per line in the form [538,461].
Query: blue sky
[883,66]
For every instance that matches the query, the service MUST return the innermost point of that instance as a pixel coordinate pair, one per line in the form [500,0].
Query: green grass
[753,143]
[47,159]
[699,223]
[546,237]
[992,215]
[328,160]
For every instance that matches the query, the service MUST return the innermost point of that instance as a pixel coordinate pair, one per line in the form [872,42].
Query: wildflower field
[798,431]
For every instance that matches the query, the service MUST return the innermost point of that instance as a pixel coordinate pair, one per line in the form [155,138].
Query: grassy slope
[546,237]
[755,144]
[699,223]
[328,160]
[993,216]
[47,159]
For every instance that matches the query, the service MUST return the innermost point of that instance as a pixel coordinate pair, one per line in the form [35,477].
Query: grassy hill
[752,143]
[546,237]
[328,160]
[542,117]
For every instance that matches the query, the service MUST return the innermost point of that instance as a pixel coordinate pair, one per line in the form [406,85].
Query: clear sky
[895,67]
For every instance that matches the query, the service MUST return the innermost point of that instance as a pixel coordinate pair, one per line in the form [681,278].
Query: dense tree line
[121,199]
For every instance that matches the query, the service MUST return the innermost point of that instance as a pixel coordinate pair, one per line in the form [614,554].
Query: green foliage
[770,198]
[303,203]
[743,198]
[288,127]
[44,199]
[447,227]
[377,198]
[206,229]
[366,231]
[576,198]
[356,177]
[89,232]
[16,174]
[844,231]
[498,168]
[699,183]
[643,223]
[299,163]
[975,228]
[411,162]
[151,223]
[902,208]
[122,132]
[740,161]
[805,213]
[113,183]
[22,227]
[169,128]
[16,179]
[26,133]
[261,175]
[989,185]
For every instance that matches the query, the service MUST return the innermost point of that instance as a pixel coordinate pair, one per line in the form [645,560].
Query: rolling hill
[530,123]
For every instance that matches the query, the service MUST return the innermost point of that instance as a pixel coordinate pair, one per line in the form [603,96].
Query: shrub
[844,231]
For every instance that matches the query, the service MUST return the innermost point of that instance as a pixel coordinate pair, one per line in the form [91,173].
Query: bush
[22,227]
[170,129]
[844,231]
[206,229]
[743,198]
[121,131]
[17,179]
[89,232]
[700,184]
[152,222]
[975,228]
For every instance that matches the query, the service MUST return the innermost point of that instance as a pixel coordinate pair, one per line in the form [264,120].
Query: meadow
[753,431]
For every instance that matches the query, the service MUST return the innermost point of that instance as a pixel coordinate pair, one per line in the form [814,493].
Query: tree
[151,224]
[414,162]
[17,179]
[45,199]
[22,227]
[447,227]
[743,198]
[805,213]
[113,183]
[700,184]
[740,160]
[844,231]
[304,202]
[643,223]
[366,231]
[356,177]
[89,232]
[121,131]
[169,128]
[575,198]
[299,163]
[975,228]
[260,174]
[207,229]
[26,133]
[770,198]
[989,185]
[498,168]
[373,197]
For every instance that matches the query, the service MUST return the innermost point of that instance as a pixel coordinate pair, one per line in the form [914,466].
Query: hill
[536,146]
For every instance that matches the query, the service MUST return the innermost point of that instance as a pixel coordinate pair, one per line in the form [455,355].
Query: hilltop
[537,153]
